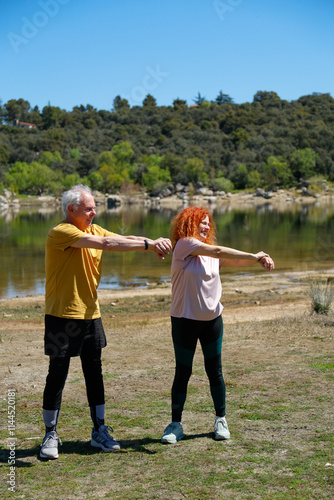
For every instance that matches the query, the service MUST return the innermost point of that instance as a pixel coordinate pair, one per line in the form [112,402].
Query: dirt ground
[267,296]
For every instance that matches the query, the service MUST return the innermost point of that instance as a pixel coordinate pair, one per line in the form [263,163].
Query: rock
[259,192]
[3,201]
[7,194]
[165,192]
[114,201]
[179,187]
[305,191]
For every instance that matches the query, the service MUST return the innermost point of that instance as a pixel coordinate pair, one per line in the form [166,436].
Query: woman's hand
[266,261]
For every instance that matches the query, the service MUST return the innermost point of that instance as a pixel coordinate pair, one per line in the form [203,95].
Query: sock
[50,418]
[97,414]
[217,418]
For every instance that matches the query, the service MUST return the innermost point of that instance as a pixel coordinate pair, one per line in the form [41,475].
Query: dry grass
[322,295]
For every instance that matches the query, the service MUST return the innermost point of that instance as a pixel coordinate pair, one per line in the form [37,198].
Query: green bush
[223,184]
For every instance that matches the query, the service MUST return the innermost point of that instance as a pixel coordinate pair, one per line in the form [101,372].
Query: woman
[196,309]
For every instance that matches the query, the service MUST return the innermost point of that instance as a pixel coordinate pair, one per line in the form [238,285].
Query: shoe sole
[100,445]
[172,442]
[221,438]
[42,455]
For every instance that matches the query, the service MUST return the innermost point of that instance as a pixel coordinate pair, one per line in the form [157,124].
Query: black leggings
[185,333]
[58,370]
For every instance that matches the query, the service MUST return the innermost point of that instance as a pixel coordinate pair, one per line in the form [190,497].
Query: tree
[51,116]
[149,101]
[4,156]
[194,169]
[48,158]
[111,180]
[34,178]
[269,99]
[120,104]
[75,154]
[179,104]
[223,184]
[240,135]
[303,163]
[17,178]
[254,179]
[199,99]
[40,177]
[95,180]
[115,166]
[2,112]
[276,172]
[223,98]
[16,109]
[263,95]
[155,175]
[240,177]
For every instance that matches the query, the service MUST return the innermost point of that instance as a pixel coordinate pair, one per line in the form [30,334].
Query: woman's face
[203,228]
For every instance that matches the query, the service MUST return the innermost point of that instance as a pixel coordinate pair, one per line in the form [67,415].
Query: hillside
[267,143]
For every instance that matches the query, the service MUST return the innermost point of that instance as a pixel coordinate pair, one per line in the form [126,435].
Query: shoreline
[280,200]
[265,296]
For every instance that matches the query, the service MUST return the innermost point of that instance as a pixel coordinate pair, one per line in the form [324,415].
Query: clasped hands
[162,247]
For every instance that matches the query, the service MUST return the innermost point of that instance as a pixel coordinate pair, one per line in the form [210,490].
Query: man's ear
[71,208]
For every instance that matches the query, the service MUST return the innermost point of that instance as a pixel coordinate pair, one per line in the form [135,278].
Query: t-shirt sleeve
[185,246]
[63,236]
[100,231]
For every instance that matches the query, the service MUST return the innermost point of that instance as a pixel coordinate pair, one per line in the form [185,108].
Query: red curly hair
[185,225]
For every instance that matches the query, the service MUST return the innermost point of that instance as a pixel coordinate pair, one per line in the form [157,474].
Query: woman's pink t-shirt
[196,285]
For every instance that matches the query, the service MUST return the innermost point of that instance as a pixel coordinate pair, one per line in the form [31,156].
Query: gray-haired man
[73,325]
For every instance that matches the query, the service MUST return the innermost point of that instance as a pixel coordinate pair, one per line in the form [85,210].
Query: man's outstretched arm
[161,246]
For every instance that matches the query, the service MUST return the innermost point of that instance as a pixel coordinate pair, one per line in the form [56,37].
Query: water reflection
[299,238]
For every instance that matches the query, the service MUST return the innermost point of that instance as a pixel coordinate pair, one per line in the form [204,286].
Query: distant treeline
[267,143]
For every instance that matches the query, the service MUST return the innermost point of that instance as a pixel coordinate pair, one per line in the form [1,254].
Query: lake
[301,238]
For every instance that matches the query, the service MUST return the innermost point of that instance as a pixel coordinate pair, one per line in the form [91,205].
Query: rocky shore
[178,196]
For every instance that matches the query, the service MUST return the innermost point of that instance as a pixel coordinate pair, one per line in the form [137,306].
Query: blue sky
[72,52]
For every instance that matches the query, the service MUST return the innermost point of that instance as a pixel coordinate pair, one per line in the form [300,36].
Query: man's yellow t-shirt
[72,274]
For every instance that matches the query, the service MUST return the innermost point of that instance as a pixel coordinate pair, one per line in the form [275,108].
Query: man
[73,325]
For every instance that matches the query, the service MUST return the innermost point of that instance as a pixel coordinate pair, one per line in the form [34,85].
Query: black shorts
[64,337]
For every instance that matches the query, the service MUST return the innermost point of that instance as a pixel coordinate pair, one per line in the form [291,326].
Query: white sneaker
[49,447]
[102,439]
[173,433]
[221,430]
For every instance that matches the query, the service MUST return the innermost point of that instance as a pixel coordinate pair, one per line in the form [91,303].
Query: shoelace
[49,438]
[171,427]
[107,429]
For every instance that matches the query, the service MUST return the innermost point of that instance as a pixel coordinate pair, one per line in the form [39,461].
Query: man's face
[83,216]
